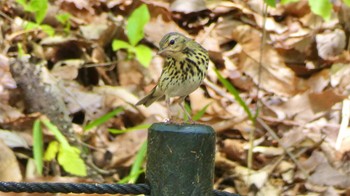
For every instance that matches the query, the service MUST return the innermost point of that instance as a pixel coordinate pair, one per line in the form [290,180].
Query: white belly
[182,88]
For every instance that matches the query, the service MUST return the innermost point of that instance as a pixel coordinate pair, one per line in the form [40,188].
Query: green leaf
[136,167]
[322,8]
[136,22]
[201,112]
[288,1]
[119,44]
[128,177]
[135,128]
[143,54]
[48,29]
[39,8]
[51,151]
[64,19]
[271,3]
[57,133]
[103,119]
[235,94]
[24,4]
[188,110]
[38,146]
[69,159]
[347,2]
[31,25]
[20,50]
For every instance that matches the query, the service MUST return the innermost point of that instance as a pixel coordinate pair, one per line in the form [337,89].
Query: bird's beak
[162,52]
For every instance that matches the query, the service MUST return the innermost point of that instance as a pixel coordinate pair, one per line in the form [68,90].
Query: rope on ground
[38,187]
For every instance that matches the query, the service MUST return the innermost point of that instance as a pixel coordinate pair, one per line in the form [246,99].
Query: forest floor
[278,74]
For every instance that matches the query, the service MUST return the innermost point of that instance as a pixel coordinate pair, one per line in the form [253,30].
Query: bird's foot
[191,121]
[178,121]
[167,120]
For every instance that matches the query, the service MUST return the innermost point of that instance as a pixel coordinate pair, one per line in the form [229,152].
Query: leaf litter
[302,70]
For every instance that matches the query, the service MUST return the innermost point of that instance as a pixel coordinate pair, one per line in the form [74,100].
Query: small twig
[207,32]
[251,134]
[344,123]
[19,33]
[218,90]
[290,154]
[100,64]
[6,16]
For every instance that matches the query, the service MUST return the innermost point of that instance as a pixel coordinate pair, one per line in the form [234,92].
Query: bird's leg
[182,103]
[167,103]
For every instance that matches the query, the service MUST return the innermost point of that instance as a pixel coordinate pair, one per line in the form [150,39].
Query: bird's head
[172,44]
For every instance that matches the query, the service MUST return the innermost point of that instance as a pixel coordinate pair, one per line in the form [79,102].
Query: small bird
[185,67]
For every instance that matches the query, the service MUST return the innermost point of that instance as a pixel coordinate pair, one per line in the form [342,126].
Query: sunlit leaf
[48,29]
[38,7]
[201,112]
[127,178]
[347,2]
[120,44]
[288,1]
[24,4]
[235,94]
[322,8]
[143,54]
[38,146]
[51,151]
[31,25]
[136,167]
[69,158]
[64,18]
[20,50]
[103,119]
[188,110]
[57,133]
[138,127]
[271,3]
[136,22]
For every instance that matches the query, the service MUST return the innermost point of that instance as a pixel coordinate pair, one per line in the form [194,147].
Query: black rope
[38,187]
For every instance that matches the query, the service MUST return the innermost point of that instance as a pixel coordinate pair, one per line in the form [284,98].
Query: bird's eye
[172,42]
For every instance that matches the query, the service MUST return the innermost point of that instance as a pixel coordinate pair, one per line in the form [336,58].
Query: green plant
[38,146]
[322,8]
[198,115]
[236,95]
[64,19]
[20,50]
[103,119]
[245,107]
[138,127]
[68,156]
[135,33]
[136,168]
[39,9]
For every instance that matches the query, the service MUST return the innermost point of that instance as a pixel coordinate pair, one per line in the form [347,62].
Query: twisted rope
[39,187]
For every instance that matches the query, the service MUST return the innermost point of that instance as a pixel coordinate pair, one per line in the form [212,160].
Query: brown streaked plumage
[184,69]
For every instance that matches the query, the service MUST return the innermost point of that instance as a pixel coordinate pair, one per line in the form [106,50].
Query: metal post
[180,159]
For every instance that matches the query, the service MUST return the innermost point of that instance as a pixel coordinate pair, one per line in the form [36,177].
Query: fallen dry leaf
[330,44]
[9,168]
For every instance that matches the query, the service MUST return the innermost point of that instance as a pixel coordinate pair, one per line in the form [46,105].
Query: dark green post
[180,159]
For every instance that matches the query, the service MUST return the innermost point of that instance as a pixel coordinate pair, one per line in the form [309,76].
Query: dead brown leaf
[9,168]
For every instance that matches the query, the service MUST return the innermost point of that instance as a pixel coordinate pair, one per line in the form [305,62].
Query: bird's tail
[153,96]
